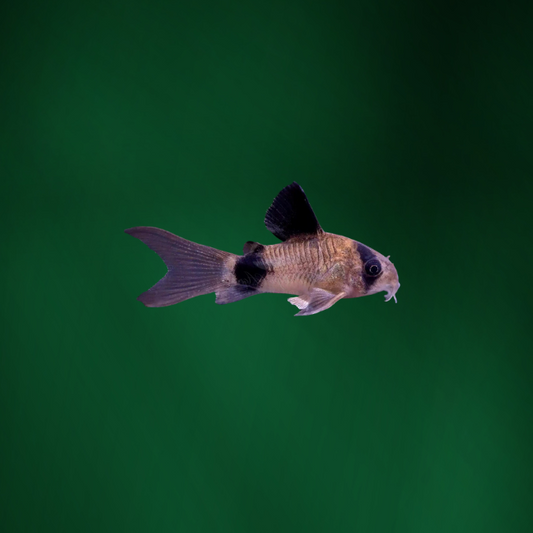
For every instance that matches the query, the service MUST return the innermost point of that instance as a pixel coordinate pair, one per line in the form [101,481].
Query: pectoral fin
[315,301]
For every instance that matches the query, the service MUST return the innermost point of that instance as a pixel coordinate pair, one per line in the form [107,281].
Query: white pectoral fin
[315,301]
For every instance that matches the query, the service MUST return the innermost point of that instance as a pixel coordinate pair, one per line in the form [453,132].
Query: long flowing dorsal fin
[291,214]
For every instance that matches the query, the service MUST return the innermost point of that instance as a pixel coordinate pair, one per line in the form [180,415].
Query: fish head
[388,280]
[377,273]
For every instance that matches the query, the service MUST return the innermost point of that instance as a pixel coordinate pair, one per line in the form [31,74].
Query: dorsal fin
[251,247]
[291,214]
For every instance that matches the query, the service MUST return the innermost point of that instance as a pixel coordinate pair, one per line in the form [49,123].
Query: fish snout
[392,289]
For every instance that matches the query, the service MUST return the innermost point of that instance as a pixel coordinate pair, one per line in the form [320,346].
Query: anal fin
[315,301]
[234,294]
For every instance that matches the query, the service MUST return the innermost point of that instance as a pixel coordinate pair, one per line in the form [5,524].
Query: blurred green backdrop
[409,126]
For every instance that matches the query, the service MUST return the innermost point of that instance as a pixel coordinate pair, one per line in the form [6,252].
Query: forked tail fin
[193,269]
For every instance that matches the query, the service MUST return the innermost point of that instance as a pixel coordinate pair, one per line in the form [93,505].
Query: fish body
[320,267]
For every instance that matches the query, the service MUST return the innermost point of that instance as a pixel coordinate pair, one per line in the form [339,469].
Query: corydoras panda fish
[319,267]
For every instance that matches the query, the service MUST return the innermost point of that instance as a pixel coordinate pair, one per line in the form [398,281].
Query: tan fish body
[321,268]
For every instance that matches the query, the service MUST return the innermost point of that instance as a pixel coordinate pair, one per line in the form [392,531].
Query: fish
[320,268]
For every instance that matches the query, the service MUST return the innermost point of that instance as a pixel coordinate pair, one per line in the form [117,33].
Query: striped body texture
[319,267]
[294,267]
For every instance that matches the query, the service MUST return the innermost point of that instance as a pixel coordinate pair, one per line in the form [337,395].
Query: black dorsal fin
[251,247]
[291,214]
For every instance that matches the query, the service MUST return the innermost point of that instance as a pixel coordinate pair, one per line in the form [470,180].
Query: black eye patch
[373,268]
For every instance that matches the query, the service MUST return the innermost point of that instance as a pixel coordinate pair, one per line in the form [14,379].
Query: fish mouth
[391,293]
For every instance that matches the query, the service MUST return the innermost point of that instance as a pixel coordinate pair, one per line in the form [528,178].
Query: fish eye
[373,267]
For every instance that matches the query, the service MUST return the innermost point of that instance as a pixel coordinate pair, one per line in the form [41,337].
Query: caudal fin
[193,269]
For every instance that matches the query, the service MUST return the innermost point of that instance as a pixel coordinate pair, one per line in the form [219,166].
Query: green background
[408,124]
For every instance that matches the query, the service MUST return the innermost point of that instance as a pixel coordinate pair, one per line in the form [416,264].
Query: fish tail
[193,269]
